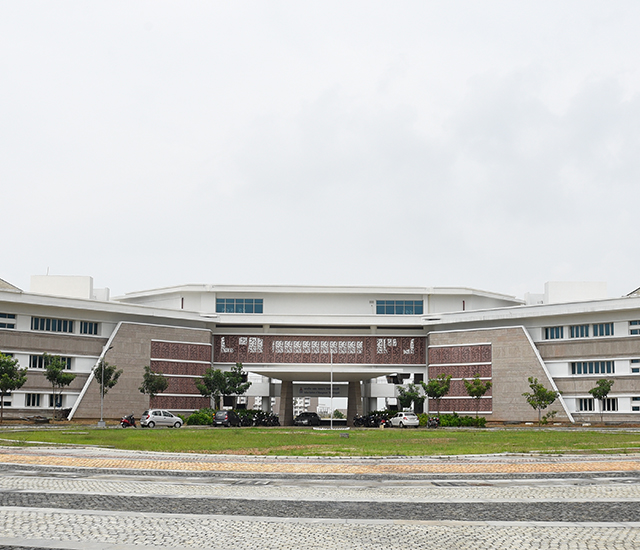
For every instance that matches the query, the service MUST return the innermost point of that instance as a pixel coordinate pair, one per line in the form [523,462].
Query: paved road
[118,500]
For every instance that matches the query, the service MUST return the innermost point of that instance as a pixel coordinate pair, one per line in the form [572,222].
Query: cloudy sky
[489,144]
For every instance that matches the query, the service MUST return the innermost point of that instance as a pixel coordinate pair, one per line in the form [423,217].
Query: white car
[405,419]
[159,417]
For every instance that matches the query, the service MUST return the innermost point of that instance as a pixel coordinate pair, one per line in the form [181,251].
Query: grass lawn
[360,442]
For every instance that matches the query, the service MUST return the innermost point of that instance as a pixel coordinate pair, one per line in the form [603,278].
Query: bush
[203,417]
[456,421]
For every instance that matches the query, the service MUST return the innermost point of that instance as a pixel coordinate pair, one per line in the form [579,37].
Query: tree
[539,397]
[213,384]
[236,381]
[107,379]
[12,377]
[409,394]
[602,389]
[338,414]
[153,383]
[476,389]
[54,367]
[437,388]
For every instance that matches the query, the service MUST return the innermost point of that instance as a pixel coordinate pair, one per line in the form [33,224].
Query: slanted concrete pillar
[286,403]
[354,401]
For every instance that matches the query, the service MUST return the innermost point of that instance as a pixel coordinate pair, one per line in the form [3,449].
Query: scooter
[127,421]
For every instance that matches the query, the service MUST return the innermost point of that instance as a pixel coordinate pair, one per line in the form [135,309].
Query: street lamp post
[101,423]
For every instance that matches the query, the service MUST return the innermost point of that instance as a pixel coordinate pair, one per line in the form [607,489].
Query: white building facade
[293,341]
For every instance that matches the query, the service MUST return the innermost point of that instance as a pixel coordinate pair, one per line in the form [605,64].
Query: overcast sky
[488,144]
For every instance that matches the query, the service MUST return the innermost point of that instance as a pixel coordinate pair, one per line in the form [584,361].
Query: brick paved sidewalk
[83,457]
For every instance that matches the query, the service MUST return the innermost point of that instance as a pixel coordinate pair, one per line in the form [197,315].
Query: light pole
[101,423]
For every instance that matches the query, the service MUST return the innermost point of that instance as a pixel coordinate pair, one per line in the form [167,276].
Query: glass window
[585,404]
[553,333]
[51,325]
[603,329]
[399,307]
[580,331]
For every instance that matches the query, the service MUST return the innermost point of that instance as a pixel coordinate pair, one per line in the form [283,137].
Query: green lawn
[360,442]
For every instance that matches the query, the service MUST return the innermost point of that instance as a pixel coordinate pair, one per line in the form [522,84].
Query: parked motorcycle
[127,421]
[433,422]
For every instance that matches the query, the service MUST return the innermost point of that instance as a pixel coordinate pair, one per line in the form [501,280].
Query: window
[580,331]
[7,320]
[4,399]
[610,404]
[239,305]
[37,362]
[636,325]
[603,329]
[585,404]
[635,404]
[593,367]
[32,400]
[58,400]
[635,366]
[51,325]
[553,333]
[399,307]
[87,327]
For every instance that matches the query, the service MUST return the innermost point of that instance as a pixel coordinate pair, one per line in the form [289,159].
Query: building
[295,341]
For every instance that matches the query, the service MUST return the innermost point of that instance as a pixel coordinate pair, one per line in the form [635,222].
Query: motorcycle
[127,421]
[433,422]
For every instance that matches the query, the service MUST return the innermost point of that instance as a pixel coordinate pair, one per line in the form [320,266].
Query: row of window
[580,331]
[593,367]
[634,324]
[609,405]
[34,400]
[399,307]
[62,325]
[239,305]
[37,362]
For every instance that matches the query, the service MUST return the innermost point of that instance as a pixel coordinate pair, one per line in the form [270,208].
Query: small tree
[539,397]
[106,375]
[213,384]
[338,414]
[410,394]
[153,383]
[476,389]
[236,381]
[437,388]
[54,367]
[11,378]
[600,392]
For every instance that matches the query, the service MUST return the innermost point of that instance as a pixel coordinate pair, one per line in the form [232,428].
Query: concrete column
[266,404]
[286,403]
[354,401]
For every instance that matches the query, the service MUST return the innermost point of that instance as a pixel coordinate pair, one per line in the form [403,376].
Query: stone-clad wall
[131,352]
[513,360]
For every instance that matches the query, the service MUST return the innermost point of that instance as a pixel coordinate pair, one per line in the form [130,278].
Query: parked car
[159,417]
[307,419]
[405,419]
[226,418]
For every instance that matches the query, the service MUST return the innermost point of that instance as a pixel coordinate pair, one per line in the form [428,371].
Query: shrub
[456,421]
[203,417]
